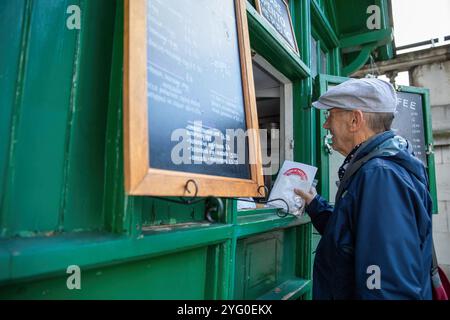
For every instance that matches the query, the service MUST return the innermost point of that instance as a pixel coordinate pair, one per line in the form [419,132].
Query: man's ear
[356,120]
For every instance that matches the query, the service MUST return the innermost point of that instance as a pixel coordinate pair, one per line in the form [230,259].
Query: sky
[420,20]
[416,21]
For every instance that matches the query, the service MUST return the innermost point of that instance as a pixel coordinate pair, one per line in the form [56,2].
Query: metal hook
[186,187]
[182,200]
[266,191]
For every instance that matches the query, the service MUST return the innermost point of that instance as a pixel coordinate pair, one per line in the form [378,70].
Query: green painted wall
[144,279]
[53,121]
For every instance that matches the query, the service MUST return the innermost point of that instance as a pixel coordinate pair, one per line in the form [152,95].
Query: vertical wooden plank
[255,157]
[14,27]
[72,110]
[136,160]
[86,145]
[120,212]
[33,186]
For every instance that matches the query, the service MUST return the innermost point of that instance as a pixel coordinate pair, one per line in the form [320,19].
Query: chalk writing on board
[409,122]
[194,75]
[277,13]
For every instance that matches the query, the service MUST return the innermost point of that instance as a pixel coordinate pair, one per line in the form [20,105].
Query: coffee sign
[409,122]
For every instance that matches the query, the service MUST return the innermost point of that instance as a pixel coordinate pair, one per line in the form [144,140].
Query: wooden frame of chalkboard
[140,177]
[294,46]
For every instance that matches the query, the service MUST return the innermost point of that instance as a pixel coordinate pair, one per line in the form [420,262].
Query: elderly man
[376,241]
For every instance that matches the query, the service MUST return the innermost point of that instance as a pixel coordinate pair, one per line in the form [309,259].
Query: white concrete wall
[436,77]
[441,221]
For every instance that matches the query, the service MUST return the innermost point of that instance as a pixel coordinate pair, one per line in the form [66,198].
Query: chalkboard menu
[278,14]
[190,107]
[409,122]
[194,84]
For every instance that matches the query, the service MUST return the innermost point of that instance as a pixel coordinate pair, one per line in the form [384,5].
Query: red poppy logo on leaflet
[297,172]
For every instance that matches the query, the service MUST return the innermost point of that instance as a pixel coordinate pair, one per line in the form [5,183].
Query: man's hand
[307,196]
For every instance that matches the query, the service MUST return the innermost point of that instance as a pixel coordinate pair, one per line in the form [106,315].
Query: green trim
[387,51]
[322,26]
[268,43]
[333,18]
[5,262]
[291,289]
[360,60]
[304,261]
[9,170]
[114,196]
[250,212]
[300,11]
[426,107]
[323,80]
[322,83]
[230,266]
[250,225]
[335,62]
[41,257]
[381,37]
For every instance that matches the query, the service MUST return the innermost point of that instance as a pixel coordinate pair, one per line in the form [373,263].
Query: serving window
[274,100]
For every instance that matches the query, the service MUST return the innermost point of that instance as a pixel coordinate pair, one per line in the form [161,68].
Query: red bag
[439,280]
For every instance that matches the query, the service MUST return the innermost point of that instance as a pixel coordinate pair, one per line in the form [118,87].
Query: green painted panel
[11,27]
[265,261]
[30,258]
[315,241]
[180,276]
[329,163]
[258,264]
[156,212]
[55,176]
[85,140]
[322,27]
[352,21]
[35,176]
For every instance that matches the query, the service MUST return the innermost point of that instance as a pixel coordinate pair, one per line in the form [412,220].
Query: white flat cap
[368,94]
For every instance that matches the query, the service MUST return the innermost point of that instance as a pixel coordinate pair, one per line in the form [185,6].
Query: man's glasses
[328,113]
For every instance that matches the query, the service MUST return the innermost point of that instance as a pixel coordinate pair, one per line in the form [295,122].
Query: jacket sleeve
[388,259]
[319,210]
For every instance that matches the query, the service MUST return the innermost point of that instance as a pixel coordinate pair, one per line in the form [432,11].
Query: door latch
[327,143]
[214,210]
[430,149]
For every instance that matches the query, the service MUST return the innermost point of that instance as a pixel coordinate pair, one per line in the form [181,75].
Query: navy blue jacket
[382,219]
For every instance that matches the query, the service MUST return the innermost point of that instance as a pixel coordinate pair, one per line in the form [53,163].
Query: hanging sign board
[409,122]
[278,14]
[189,100]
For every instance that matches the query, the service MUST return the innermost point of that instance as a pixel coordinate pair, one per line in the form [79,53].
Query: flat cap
[368,95]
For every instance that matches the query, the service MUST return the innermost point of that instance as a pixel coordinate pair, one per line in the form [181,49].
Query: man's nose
[326,125]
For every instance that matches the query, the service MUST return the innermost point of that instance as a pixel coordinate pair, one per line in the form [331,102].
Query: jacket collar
[372,143]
